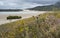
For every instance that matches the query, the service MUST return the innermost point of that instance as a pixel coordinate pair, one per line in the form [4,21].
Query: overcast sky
[22,4]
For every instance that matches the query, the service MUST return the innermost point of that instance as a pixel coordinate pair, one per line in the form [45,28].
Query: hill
[8,10]
[47,8]
[46,25]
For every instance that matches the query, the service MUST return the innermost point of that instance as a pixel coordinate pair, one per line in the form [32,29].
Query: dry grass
[43,26]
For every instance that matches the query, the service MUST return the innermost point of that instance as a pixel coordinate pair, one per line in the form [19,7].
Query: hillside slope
[47,8]
[46,25]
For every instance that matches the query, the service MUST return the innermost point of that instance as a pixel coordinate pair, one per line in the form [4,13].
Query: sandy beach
[24,14]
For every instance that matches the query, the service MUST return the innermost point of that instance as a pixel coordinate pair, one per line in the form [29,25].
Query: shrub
[14,17]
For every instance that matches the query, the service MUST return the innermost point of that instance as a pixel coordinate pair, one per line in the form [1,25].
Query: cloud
[1,3]
[12,4]
[6,4]
[42,1]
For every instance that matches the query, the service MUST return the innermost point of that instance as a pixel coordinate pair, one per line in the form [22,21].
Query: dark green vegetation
[43,26]
[13,17]
[10,10]
[47,8]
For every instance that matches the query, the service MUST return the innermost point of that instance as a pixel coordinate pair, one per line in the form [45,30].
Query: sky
[23,4]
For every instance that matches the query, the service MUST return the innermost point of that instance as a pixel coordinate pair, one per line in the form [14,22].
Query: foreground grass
[43,26]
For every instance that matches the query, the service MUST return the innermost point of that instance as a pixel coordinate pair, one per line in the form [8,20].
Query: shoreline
[24,14]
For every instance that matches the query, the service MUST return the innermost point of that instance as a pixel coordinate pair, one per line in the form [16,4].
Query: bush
[14,17]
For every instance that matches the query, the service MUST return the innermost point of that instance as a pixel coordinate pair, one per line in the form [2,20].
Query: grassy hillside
[47,8]
[42,26]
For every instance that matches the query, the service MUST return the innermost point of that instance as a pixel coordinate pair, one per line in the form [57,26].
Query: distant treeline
[14,17]
[11,10]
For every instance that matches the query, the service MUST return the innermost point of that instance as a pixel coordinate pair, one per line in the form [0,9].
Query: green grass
[45,25]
